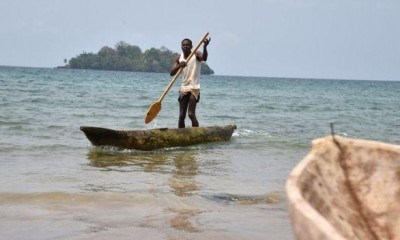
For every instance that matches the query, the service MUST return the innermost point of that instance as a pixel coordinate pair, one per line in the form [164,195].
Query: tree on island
[126,57]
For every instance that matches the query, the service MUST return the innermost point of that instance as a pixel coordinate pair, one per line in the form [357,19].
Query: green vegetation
[125,57]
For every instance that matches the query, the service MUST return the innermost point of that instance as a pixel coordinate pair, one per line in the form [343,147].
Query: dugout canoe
[346,189]
[147,140]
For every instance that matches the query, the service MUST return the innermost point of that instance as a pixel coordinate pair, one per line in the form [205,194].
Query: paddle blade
[153,111]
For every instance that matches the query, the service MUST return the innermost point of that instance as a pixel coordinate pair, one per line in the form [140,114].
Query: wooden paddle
[156,106]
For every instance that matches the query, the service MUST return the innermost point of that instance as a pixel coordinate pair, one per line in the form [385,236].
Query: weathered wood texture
[157,138]
[346,189]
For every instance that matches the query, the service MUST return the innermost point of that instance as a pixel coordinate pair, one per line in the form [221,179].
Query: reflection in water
[110,157]
[182,181]
[102,158]
[180,164]
[184,184]
[184,219]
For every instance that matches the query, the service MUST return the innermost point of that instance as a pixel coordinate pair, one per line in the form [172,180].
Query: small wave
[266,106]
[111,150]
[144,97]
[244,132]
[269,198]
[11,123]
[249,132]
[117,150]
[18,127]
[63,197]
[226,117]
[55,127]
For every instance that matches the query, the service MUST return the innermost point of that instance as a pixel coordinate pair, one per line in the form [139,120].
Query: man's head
[186,45]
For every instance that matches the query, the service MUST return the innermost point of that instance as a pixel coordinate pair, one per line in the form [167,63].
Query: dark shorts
[188,95]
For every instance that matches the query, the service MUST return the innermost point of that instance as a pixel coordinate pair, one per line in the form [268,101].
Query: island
[126,57]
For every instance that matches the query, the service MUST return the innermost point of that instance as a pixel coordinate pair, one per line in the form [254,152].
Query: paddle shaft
[180,69]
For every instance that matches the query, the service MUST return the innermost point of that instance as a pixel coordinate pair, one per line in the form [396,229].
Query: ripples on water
[56,184]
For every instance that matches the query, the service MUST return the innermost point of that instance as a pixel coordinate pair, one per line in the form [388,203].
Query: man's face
[186,46]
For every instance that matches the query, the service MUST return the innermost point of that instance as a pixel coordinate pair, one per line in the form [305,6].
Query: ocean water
[55,185]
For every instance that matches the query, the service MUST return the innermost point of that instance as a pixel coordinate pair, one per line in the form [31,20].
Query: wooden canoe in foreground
[346,189]
[157,138]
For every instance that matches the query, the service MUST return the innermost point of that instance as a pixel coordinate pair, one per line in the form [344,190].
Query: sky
[334,39]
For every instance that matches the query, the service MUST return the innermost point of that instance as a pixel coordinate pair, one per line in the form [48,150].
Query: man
[189,92]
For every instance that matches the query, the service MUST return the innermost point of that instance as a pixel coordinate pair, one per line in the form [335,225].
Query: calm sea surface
[55,185]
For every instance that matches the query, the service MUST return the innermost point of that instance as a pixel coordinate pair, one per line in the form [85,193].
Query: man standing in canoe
[189,92]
